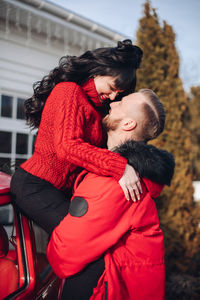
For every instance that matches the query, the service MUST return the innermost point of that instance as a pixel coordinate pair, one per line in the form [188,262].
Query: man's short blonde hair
[154,116]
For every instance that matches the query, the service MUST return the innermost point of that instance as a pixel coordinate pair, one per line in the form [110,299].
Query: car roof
[4,188]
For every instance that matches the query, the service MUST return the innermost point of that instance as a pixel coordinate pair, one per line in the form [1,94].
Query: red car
[24,270]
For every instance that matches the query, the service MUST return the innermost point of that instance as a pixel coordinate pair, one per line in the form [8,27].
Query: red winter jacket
[101,220]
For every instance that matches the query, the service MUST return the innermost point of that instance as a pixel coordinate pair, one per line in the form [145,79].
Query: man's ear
[129,124]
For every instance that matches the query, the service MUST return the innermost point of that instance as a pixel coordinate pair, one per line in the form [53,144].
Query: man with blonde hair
[103,225]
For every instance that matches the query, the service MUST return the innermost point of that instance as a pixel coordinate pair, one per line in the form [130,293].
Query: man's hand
[130,184]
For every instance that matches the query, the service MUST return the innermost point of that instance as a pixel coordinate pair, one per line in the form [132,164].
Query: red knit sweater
[68,138]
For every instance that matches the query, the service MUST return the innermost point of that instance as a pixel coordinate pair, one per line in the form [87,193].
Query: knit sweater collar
[90,90]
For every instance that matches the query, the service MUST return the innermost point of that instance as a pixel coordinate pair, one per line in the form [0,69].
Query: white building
[34,34]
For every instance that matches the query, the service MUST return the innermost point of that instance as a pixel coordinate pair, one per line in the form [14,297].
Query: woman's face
[105,86]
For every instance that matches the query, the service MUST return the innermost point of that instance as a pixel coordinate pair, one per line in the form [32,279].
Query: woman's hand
[130,184]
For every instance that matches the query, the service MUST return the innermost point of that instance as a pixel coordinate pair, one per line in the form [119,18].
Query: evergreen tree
[194,106]
[160,72]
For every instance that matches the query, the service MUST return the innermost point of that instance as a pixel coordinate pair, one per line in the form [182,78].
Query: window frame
[16,126]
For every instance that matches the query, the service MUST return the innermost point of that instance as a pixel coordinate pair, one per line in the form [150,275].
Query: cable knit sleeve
[69,141]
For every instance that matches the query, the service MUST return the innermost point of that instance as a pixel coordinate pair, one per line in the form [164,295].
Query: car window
[7,222]
[6,214]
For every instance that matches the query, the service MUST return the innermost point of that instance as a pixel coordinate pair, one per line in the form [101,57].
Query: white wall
[21,66]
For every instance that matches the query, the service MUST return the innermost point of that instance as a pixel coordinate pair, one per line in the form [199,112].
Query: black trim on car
[47,270]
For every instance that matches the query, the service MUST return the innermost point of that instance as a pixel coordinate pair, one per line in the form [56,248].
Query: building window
[22,143]
[34,140]
[12,107]
[6,106]
[17,141]
[5,165]
[5,145]
[20,108]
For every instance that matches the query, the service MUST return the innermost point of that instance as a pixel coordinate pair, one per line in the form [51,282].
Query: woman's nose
[113,95]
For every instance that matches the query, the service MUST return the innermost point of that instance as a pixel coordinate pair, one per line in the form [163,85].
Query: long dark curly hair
[120,62]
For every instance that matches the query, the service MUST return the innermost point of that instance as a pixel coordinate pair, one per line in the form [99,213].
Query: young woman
[67,107]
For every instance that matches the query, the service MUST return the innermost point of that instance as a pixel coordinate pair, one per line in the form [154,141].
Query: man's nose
[113,104]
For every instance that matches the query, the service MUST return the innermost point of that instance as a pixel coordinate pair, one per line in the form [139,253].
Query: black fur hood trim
[150,162]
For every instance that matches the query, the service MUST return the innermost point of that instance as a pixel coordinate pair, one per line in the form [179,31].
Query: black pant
[80,286]
[39,200]
[47,206]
